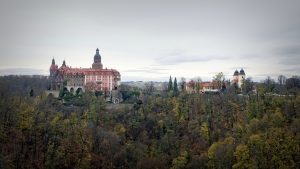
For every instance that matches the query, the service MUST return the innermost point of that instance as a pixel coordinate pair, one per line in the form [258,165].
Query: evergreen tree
[175,88]
[170,86]
[31,93]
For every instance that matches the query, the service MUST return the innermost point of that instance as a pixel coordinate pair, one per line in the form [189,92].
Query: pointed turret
[53,61]
[97,60]
[64,63]
[97,57]
[53,68]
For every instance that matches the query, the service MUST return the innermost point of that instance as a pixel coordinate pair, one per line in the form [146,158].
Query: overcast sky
[151,40]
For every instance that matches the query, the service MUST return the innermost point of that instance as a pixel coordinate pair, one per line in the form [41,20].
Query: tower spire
[64,63]
[53,61]
[97,60]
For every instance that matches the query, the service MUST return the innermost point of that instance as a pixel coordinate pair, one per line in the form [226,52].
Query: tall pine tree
[170,86]
[175,88]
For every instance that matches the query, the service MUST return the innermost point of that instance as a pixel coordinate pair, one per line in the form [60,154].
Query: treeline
[23,85]
[222,130]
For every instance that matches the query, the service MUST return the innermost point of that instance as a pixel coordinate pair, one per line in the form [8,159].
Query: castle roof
[53,66]
[97,56]
[242,72]
[206,84]
[236,73]
[88,71]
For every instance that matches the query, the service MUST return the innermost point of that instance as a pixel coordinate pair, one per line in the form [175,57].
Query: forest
[151,129]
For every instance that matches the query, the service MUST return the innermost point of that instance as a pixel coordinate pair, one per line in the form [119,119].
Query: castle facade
[80,79]
[238,78]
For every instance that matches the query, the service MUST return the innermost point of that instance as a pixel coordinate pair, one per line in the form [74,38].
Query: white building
[238,77]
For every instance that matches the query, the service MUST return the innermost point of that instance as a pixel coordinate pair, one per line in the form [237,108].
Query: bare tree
[218,80]
[247,85]
[182,84]
[198,84]
[281,80]
[149,88]
[270,84]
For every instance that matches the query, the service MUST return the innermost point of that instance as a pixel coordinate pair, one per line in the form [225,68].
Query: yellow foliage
[180,161]
[26,116]
[204,131]
[120,129]
[243,158]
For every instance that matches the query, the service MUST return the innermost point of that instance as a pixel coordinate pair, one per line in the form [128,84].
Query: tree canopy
[223,130]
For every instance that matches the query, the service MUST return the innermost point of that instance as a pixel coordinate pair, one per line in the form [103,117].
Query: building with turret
[238,78]
[80,79]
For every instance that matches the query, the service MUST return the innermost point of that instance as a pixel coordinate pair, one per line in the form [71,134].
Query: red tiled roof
[87,71]
[203,84]
[206,84]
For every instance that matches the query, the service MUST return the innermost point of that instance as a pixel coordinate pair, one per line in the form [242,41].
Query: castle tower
[53,68]
[235,79]
[242,77]
[64,64]
[53,73]
[97,60]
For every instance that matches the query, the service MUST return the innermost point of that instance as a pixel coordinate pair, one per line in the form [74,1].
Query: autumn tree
[247,85]
[218,80]
[182,84]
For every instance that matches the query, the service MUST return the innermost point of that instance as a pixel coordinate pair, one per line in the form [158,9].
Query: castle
[238,78]
[80,79]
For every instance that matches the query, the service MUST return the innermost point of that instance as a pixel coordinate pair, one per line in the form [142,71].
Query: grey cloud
[147,70]
[292,70]
[291,60]
[32,30]
[239,68]
[291,50]
[287,33]
[266,75]
[178,57]
[127,78]
[288,55]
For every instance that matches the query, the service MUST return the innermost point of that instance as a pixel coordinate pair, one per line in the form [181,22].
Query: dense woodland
[154,129]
